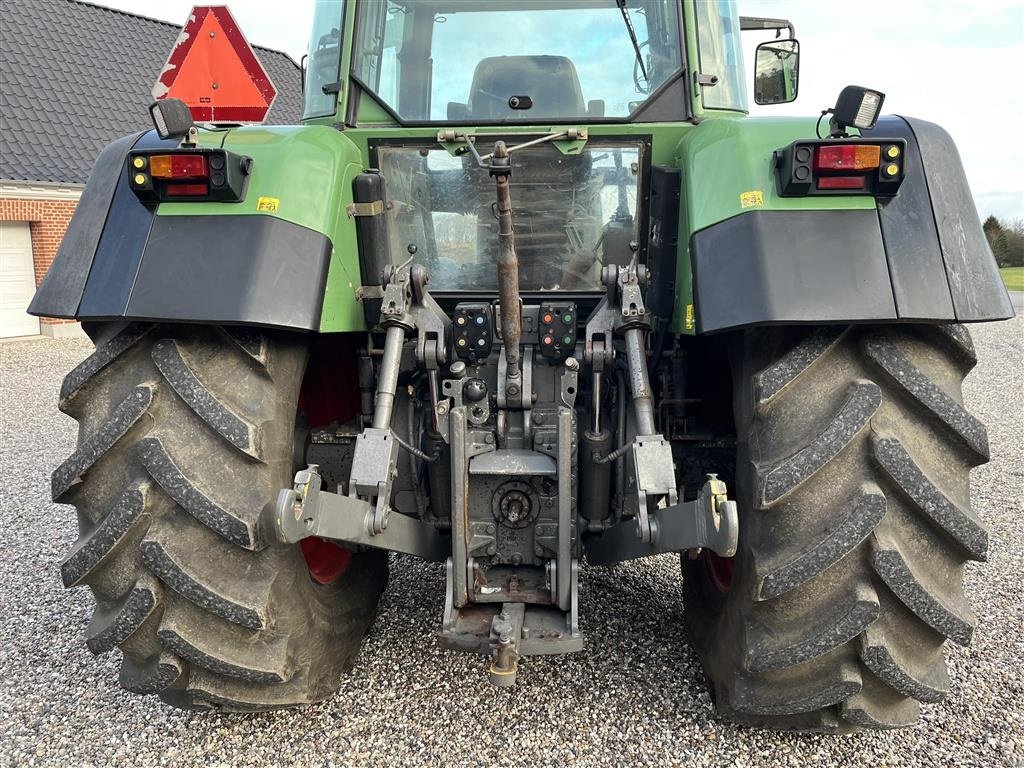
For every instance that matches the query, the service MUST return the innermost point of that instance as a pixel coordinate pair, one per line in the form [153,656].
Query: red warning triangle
[213,69]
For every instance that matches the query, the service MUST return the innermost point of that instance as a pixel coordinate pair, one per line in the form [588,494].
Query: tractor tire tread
[777,481]
[230,524]
[103,356]
[927,393]
[93,448]
[171,360]
[97,545]
[113,624]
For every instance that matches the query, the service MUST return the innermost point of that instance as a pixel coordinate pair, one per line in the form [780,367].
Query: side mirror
[776,72]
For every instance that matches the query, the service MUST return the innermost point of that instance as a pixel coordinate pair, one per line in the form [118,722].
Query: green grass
[1013,277]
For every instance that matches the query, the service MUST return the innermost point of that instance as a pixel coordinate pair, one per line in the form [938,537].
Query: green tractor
[527,289]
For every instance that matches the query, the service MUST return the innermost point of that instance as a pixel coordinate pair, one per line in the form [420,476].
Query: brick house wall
[48,220]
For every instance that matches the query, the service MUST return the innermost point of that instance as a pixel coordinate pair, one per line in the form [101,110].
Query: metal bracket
[621,309]
[305,510]
[374,208]
[650,459]
[631,298]
[507,632]
[407,303]
[515,401]
[570,141]
[374,467]
[570,382]
[709,521]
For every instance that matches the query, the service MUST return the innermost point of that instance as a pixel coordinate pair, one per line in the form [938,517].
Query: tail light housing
[200,174]
[854,166]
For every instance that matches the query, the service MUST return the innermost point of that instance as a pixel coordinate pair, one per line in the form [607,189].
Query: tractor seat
[551,83]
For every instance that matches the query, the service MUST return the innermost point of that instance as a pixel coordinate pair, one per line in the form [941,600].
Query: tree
[1014,232]
[1006,241]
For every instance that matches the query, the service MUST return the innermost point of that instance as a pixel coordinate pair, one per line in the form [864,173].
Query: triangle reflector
[213,69]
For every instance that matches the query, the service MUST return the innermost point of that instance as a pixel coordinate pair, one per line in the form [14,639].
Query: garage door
[17,280]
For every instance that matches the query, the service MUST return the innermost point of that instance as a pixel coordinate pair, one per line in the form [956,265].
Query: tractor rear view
[513,299]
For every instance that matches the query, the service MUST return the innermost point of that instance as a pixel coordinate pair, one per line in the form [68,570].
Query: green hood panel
[728,170]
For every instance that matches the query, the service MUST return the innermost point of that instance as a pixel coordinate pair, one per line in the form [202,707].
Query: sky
[957,64]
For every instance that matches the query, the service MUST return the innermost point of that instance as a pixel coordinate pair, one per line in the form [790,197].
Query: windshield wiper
[632,38]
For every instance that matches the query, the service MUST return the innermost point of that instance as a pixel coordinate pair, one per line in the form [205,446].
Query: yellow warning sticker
[752,199]
[689,317]
[268,204]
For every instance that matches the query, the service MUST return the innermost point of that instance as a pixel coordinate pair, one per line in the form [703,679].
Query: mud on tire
[185,435]
[852,480]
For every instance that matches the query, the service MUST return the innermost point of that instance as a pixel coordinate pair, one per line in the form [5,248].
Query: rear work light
[215,175]
[841,167]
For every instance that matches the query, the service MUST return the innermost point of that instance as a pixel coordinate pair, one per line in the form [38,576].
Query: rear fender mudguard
[921,256]
[284,257]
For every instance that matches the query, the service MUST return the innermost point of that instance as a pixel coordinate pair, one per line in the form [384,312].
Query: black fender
[920,257]
[119,260]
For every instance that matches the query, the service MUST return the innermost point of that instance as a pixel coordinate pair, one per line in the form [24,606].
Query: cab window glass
[324,59]
[512,60]
[721,53]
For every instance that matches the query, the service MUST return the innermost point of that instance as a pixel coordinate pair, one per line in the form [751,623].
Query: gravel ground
[634,697]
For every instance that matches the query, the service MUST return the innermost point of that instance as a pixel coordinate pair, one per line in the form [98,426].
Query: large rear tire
[185,437]
[855,525]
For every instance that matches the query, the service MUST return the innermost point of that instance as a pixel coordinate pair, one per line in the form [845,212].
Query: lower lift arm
[306,510]
[710,522]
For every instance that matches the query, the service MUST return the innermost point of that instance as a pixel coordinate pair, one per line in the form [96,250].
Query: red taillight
[842,182]
[847,157]
[179,167]
[187,190]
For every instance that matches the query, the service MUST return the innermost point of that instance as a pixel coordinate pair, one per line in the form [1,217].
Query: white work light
[856,107]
